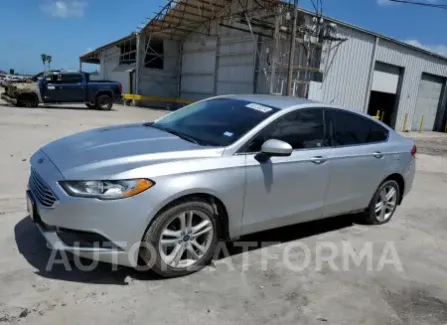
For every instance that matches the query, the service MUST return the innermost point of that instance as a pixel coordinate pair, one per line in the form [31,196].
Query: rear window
[70,78]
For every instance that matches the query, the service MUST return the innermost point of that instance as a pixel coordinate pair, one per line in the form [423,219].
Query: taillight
[413,151]
[120,87]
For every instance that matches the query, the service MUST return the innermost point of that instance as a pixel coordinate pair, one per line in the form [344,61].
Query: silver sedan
[166,192]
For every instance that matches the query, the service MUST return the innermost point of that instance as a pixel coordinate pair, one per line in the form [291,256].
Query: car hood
[104,152]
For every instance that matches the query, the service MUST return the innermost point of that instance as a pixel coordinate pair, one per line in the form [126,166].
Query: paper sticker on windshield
[228,134]
[258,107]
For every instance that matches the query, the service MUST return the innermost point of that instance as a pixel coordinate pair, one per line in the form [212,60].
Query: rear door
[358,157]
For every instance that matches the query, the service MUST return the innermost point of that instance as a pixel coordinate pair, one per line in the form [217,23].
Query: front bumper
[9,99]
[120,224]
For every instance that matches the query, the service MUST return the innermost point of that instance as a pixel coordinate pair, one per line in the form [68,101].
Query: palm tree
[49,58]
[43,56]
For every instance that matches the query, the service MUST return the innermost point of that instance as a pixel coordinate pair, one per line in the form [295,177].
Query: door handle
[318,160]
[378,154]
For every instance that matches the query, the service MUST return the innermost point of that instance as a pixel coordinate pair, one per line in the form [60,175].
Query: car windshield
[215,122]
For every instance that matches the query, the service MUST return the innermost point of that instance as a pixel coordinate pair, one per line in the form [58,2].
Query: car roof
[285,102]
[277,101]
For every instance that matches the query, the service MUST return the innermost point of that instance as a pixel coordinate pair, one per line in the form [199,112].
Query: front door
[65,88]
[287,190]
[48,90]
[357,161]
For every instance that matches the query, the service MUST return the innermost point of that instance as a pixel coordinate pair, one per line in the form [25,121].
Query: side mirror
[277,148]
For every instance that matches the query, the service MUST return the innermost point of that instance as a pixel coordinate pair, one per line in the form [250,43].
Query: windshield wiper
[174,132]
[181,135]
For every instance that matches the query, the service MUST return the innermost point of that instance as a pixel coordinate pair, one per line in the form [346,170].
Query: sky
[65,29]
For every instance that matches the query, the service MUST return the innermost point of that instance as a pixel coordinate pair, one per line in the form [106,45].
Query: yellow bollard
[377,115]
[404,128]
[421,124]
[383,115]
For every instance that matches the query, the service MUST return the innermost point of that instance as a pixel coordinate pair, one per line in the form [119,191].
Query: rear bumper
[409,177]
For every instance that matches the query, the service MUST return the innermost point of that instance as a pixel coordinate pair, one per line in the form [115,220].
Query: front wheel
[104,102]
[384,203]
[181,240]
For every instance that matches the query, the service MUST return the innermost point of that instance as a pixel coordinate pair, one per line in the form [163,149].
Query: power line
[423,4]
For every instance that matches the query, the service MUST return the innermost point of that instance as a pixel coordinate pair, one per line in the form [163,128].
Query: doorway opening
[384,106]
[385,92]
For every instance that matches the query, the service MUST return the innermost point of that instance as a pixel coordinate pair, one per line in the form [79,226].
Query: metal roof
[179,18]
[380,36]
[93,56]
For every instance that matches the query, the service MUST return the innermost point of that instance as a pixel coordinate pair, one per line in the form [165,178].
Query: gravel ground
[256,287]
[432,146]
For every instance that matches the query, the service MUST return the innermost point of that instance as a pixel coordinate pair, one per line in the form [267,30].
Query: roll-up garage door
[427,103]
[386,78]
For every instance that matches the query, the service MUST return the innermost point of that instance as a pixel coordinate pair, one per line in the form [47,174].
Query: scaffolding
[268,24]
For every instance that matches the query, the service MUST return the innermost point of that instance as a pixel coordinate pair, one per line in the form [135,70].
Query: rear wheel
[384,203]
[182,239]
[104,102]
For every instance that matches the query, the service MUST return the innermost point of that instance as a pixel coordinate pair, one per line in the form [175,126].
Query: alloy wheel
[186,239]
[386,203]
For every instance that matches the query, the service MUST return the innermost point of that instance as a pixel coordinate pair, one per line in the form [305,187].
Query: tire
[156,257]
[34,102]
[30,101]
[104,102]
[373,215]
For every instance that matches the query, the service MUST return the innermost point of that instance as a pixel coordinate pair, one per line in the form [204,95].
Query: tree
[49,58]
[43,56]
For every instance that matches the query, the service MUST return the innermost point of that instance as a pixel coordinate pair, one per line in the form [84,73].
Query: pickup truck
[63,87]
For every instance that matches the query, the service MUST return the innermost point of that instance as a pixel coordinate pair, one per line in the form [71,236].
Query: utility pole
[276,42]
[292,49]
[138,61]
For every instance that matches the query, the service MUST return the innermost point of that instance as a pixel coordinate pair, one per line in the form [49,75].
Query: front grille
[41,191]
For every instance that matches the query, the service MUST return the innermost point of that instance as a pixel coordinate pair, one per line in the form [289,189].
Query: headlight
[107,190]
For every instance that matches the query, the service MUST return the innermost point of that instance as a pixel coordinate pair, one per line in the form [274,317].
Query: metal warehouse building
[193,49]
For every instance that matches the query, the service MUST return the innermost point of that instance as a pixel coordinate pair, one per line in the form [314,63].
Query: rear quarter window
[353,129]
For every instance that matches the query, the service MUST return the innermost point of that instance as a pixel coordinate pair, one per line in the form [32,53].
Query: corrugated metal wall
[227,64]
[346,68]
[235,62]
[347,71]
[414,64]
[198,67]
[110,69]
[153,82]
[162,83]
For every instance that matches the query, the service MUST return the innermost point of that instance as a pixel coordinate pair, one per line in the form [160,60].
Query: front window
[215,122]
[302,129]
